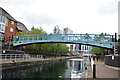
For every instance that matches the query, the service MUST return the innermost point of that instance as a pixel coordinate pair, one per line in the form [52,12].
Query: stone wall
[112,61]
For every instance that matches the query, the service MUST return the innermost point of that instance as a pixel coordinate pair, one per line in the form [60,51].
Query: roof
[20,25]
[4,13]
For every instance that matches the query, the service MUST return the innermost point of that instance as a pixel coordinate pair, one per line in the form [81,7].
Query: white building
[67,31]
[84,48]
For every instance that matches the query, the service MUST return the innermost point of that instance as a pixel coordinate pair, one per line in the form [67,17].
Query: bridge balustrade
[94,39]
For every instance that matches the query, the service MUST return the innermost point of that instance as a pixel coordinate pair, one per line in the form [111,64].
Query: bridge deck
[99,40]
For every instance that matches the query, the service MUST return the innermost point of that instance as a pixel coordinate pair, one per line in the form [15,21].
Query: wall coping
[116,68]
[112,55]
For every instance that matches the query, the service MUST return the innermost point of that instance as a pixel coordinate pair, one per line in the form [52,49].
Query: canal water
[52,70]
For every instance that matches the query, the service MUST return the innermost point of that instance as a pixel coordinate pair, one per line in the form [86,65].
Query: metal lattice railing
[18,57]
[94,38]
[83,37]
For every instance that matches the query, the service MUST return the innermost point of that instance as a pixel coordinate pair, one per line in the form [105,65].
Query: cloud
[109,7]
[41,19]
[82,16]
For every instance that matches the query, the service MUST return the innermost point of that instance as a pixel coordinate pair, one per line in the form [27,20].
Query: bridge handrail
[64,36]
[91,39]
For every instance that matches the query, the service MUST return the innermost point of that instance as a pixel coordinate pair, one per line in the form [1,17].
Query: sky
[81,16]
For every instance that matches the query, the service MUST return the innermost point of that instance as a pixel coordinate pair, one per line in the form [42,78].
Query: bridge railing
[72,37]
[90,39]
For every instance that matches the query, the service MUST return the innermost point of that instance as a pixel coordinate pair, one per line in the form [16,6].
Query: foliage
[97,50]
[118,40]
[101,59]
[22,33]
[48,48]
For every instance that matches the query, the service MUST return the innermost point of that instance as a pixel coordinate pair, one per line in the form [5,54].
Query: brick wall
[8,33]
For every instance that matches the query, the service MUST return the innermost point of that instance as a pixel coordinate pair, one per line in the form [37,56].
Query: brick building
[9,26]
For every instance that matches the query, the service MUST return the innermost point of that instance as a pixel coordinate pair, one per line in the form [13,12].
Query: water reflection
[60,69]
[52,70]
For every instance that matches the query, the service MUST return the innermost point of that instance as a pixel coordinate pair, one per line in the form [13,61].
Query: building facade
[9,26]
[56,30]
[82,48]
[67,31]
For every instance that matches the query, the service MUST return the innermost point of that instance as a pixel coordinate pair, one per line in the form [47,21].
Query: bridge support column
[83,48]
[79,48]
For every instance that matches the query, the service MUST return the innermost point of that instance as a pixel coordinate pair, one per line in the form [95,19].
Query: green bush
[101,59]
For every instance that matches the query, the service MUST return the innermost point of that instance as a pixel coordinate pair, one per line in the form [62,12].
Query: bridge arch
[85,39]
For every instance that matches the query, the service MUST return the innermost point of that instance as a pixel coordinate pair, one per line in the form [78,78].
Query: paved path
[103,72]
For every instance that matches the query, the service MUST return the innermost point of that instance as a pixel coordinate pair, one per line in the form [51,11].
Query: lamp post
[115,44]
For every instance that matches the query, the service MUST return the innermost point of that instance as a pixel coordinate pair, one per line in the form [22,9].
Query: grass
[101,60]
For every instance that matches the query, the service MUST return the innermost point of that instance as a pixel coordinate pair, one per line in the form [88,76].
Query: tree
[22,33]
[97,50]
[48,48]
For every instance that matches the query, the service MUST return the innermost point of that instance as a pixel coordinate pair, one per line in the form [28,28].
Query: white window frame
[12,22]
[11,30]
[2,27]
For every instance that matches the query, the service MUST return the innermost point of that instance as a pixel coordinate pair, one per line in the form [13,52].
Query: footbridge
[105,41]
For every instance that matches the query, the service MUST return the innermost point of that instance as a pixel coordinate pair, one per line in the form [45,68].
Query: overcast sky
[82,16]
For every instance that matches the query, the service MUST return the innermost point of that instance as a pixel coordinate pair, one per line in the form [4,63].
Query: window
[11,29]
[3,27]
[12,22]
[0,27]
[3,19]
[0,18]
[1,34]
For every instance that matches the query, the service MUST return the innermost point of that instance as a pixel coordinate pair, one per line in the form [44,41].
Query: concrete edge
[116,68]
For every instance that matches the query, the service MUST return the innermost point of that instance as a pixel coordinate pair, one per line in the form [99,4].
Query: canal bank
[54,69]
[32,62]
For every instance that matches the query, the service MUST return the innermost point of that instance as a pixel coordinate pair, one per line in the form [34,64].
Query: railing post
[10,57]
[92,62]
[112,39]
[115,37]
[94,70]
[22,57]
[5,58]
[15,57]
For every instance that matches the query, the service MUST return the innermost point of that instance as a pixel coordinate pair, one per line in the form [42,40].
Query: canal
[59,69]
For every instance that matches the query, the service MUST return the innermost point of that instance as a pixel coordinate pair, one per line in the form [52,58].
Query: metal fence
[9,57]
[18,57]
[36,56]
